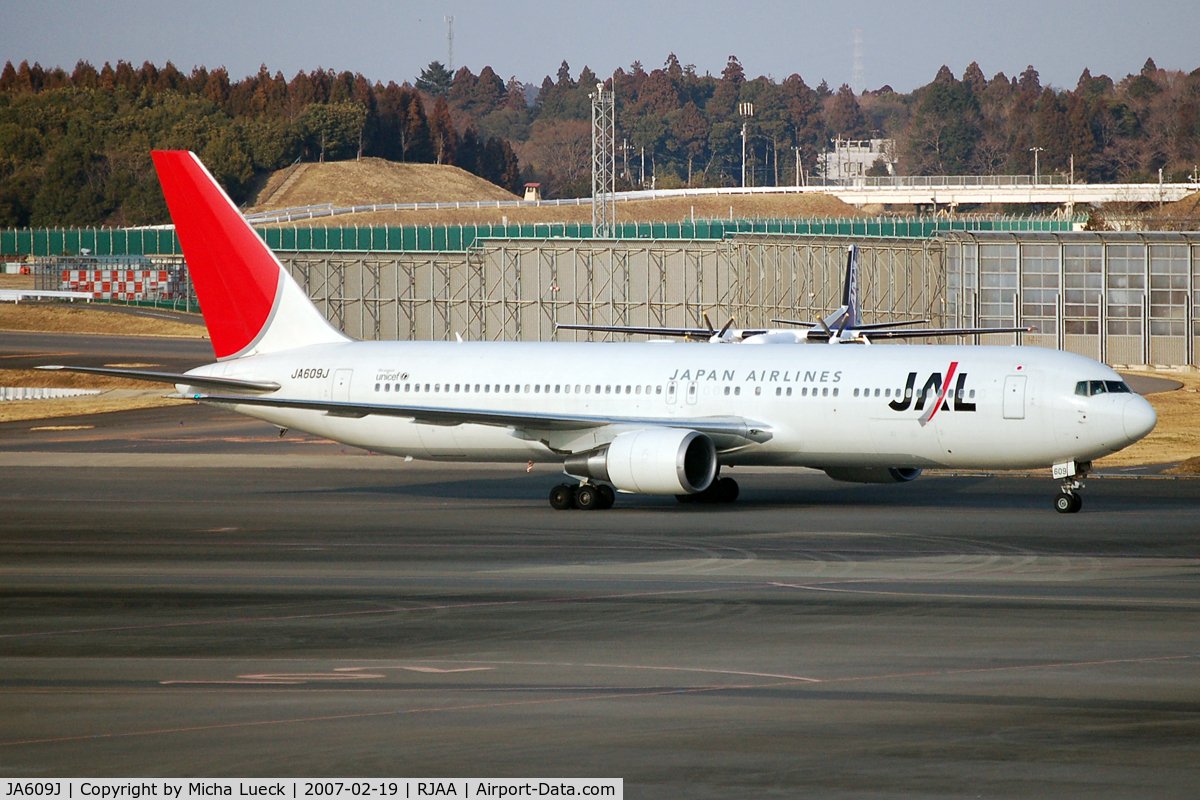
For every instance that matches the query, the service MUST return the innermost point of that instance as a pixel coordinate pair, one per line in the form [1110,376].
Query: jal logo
[935,385]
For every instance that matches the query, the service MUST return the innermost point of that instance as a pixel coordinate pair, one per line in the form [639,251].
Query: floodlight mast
[604,163]
[747,111]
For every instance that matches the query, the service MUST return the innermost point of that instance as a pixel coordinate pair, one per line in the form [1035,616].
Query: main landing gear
[585,496]
[589,496]
[1067,501]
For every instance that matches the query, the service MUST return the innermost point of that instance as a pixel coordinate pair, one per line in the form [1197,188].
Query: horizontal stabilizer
[172,377]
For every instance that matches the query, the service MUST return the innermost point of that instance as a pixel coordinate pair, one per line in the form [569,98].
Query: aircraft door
[341,385]
[691,393]
[1014,397]
[671,393]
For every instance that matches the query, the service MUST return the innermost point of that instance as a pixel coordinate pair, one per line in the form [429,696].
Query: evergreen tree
[442,133]
[435,79]
[845,116]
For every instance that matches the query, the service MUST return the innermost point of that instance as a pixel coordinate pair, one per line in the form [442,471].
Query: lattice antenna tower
[450,42]
[604,163]
[858,80]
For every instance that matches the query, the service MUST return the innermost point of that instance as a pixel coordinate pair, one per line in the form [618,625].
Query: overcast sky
[904,43]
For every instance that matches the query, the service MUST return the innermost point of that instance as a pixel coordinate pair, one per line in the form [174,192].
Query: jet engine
[652,461]
[873,474]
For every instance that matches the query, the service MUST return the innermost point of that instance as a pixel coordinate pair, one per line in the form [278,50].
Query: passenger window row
[629,389]
[516,388]
[960,393]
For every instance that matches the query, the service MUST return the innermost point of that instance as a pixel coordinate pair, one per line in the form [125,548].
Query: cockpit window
[1091,388]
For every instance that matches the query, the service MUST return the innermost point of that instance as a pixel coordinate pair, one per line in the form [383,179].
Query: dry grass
[119,394]
[672,209]
[1189,467]
[1177,435]
[81,318]
[373,180]
[28,410]
[8,281]
[1187,207]
[75,380]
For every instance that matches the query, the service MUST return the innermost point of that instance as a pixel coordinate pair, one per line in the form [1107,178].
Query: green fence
[457,238]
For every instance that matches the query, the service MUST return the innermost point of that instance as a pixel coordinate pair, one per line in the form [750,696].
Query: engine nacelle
[651,461]
[873,474]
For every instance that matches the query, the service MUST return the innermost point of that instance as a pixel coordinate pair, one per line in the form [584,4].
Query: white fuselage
[825,406]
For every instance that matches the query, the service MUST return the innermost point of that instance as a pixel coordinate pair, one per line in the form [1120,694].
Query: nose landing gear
[1067,501]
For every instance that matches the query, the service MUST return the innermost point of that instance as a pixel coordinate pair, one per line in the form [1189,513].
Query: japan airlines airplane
[649,418]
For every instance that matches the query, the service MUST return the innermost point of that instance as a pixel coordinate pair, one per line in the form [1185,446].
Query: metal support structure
[604,163]
[1126,298]
[858,79]
[747,111]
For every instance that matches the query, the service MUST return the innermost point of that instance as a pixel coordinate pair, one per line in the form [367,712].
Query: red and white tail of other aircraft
[659,418]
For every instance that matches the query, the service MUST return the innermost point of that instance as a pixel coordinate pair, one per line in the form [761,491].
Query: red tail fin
[240,283]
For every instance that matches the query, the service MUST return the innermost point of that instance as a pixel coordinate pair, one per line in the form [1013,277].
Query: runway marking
[132,365]
[284,678]
[616,694]
[366,612]
[1014,668]
[702,670]
[63,428]
[435,670]
[299,678]
[1168,601]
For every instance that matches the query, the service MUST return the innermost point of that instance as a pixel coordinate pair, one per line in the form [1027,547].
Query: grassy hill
[671,209]
[372,180]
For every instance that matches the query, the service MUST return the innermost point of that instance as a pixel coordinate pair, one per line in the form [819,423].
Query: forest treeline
[74,147]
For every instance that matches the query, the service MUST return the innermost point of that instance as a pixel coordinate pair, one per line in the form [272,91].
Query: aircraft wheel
[607,495]
[562,497]
[726,490]
[1076,503]
[587,497]
[1067,503]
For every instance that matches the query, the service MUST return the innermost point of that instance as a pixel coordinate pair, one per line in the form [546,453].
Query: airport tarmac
[183,593]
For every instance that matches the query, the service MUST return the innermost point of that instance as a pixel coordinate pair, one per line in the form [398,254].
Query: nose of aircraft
[1139,418]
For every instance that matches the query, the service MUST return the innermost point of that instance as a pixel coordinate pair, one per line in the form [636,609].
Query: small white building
[851,158]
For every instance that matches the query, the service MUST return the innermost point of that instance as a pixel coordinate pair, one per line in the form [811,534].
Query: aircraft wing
[860,327]
[918,333]
[690,333]
[736,427]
